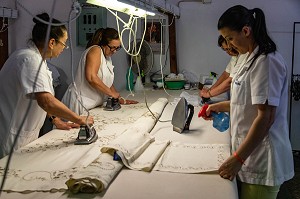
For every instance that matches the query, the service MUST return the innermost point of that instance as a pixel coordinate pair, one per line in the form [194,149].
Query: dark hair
[221,40]
[103,36]
[236,17]
[39,31]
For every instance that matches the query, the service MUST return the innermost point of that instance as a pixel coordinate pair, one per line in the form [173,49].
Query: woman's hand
[124,102]
[115,95]
[64,125]
[86,120]
[230,168]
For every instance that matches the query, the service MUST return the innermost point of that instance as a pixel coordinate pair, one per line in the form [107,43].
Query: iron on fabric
[112,104]
[182,116]
[86,135]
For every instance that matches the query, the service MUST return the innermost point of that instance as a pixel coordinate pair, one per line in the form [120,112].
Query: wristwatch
[51,118]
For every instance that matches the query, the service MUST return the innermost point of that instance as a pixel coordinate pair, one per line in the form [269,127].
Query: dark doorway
[3,41]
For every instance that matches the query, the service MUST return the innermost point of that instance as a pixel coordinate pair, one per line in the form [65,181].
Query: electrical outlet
[8,13]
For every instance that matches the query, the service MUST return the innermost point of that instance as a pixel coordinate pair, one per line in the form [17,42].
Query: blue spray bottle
[220,120]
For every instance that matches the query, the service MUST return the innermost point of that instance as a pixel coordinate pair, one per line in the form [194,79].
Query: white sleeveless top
[88,96]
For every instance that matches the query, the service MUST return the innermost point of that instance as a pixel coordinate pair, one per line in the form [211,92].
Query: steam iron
[86,135]
[112,104]
[182,116]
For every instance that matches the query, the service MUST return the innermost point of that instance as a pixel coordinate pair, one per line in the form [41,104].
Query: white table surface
[130,184]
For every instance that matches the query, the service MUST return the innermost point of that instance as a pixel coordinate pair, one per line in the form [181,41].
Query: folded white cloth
[96,177]
[135,140]
[191,99]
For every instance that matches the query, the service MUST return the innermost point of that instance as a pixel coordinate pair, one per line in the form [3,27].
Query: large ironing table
[54,156]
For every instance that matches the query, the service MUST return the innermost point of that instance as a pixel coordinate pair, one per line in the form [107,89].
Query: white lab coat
[234,64]
[17,94]
[271,163]
[85,93]
[230,68]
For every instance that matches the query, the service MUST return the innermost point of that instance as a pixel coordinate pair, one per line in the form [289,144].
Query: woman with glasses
[261,150]
[95,73]
[222,85]
[26,91]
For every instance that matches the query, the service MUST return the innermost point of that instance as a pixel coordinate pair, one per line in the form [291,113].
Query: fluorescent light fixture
[121,7]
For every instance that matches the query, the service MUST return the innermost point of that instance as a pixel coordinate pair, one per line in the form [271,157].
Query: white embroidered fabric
[166,150]
[53,161]
[50,161]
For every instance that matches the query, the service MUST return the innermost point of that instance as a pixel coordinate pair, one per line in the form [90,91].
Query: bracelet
[123,99]
[51,118]
[209,93]
[239,158]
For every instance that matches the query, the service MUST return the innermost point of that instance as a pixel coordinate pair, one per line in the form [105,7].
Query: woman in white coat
[261,151]
[26,91]
[222,85]
[95,73]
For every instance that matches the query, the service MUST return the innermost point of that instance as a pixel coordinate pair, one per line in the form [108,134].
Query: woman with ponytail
[261,157]
[95,73]
[26,91]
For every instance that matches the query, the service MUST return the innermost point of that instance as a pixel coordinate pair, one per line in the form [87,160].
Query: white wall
[197,40]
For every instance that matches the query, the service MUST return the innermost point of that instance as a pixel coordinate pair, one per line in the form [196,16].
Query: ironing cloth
[88,170]
[47,163]
[166,150]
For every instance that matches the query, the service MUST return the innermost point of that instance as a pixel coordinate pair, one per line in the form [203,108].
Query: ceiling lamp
[121,7]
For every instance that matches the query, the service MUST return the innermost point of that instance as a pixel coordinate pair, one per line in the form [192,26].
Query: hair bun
[44,16]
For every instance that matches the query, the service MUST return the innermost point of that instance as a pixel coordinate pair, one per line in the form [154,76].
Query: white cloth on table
[131,145]
[192,158]
[140,150]
[96,177]
[47,163]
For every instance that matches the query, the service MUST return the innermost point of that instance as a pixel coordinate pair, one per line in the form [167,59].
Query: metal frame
[292,76]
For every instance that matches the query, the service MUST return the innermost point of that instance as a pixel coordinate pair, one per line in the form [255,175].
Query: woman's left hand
[230,168]
[123,101]
[64,125]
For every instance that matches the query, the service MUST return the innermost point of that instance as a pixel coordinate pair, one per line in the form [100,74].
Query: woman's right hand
[87,120]
[213,108]
[115,95]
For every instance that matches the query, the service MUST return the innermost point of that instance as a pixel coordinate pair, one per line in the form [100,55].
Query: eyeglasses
[114,48]
[226,49]
[65,45]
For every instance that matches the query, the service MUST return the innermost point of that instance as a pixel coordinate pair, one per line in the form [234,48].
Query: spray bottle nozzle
[202,112]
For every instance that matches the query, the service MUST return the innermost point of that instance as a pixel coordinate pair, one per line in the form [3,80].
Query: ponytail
[236,17]
[102,37]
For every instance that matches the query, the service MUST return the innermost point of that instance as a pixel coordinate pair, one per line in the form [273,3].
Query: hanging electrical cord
[132,51]
[77,8]
[35,80]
